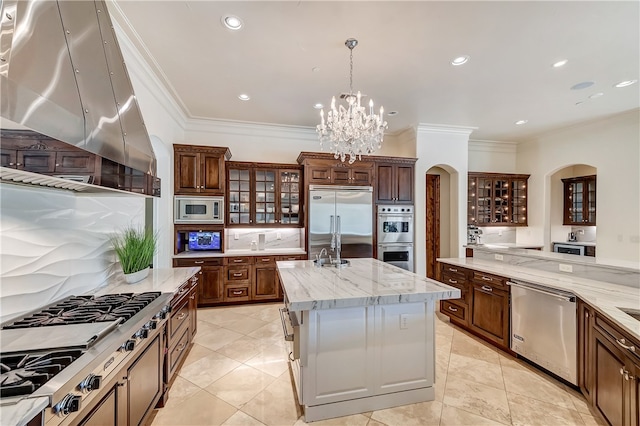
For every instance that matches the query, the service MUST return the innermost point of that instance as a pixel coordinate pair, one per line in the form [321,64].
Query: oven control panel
[392,209]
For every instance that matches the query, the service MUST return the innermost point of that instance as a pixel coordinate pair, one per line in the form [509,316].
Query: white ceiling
[402,60]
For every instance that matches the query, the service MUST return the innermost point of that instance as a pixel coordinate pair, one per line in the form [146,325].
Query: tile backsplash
[274,238]
[585,234]
[54,244]
[498,234]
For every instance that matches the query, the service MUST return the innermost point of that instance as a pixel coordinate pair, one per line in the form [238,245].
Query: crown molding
[445,128]
[240,128]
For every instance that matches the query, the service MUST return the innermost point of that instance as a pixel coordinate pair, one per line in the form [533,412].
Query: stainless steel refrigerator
[344,209]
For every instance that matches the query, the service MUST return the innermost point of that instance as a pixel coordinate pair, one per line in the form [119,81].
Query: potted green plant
[135,248]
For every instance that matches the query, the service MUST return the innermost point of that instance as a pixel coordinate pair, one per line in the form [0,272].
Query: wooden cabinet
[456,309]
[199,169]
[210,277]
[579,201]
[497,199]
[585,348]
[265,278]
[237,279]
[325,169]
[394,183]
[616,364]
[260,194]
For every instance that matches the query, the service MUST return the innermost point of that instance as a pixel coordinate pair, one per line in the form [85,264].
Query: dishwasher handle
[563,296]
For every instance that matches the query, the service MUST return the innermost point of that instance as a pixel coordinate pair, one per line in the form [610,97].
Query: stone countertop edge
[230,253]
[606,298]
[365,282]
[24,411]
[164,280]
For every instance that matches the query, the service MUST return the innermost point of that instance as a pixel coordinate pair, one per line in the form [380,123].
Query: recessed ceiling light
[315,69]
[582,85]
[460,60]
[580,102]
[318,106]
[520,122]
[560,63]
[596,95]
[625,83]
[244,97]
[392,113]
[232,22]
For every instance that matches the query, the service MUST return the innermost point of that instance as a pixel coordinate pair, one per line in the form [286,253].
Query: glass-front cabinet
[263,195]
[497,199]
[579,201]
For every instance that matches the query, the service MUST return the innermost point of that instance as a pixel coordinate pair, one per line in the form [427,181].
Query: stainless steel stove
[67,350]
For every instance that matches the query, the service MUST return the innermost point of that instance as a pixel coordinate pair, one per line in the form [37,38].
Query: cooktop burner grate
[87,309]
[22,374]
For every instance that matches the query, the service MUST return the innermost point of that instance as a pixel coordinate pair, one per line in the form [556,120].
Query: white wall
[612,146]
[445,147]
[492,156]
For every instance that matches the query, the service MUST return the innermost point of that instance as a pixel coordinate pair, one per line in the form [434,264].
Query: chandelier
[351,131]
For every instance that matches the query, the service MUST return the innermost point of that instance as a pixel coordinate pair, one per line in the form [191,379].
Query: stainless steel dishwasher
[543,328]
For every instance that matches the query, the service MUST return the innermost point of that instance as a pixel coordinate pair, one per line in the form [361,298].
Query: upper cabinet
[394,182]
[261,194]
[324,169]
[579,201]
[497,199]
[199,169]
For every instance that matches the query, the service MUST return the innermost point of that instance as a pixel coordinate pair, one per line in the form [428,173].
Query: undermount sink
[325,262]
[634,313]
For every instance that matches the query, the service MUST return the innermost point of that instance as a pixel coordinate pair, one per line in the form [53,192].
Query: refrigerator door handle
[338,230]
[333,234]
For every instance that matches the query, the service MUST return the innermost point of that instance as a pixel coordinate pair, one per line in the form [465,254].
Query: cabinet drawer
[453,310]
[265,260]
[238,260]
[236,294]
[177,352]
[623,340]
[238,274]
[179,317]
[455,281]
[293,257]
[454,271]
[493,281]
[216,261]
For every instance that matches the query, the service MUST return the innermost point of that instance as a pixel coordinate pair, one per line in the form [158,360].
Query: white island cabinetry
[364,335]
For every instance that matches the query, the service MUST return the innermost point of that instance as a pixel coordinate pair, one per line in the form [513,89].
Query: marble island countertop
[228,253]
[605,297]
[365,282]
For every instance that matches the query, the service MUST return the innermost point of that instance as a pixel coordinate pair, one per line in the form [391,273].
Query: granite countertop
[365,282]
[164,280]
[605,297]
[228,253]
[576,243]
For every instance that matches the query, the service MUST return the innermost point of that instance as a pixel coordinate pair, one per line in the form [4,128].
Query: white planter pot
[136,276]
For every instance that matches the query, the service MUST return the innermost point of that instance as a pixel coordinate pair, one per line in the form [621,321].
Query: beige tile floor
[237,374]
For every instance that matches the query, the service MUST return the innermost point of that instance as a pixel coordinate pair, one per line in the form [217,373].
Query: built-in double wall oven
[395,235]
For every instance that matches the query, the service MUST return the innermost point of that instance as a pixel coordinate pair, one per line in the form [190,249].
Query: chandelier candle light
[351,131]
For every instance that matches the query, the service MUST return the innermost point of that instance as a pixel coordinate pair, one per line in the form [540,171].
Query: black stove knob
[91,382]
[143,333]
[128,345]
[69,404]
[152,325]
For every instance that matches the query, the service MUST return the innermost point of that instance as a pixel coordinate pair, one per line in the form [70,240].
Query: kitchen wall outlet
[581,231]
[498,256]
[566,268]
[236,236]
[278,236]
[404,321]
[500,235]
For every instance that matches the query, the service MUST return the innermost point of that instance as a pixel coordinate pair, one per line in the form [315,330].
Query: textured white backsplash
[289,238]
[54,244]
[498,234]
[585,234]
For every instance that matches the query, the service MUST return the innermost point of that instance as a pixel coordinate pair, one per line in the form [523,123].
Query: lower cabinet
[616,366]
[265,279]
[210,277]
[585,348]
[483,307]
[143,393]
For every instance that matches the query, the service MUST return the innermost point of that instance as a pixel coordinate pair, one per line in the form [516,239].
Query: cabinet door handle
[181,316]
[193,296]
[181,347]
[453,269]
[486,278]
[12,164]
[198,262]
[623,342]
[57,165]
[453,281]
[265,260]
[487,288]
[238,274]
[237,260]
[183,291]
[237,293]
[586,314]
[452,309]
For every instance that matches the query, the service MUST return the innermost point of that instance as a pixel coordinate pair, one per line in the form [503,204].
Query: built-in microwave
[198,210]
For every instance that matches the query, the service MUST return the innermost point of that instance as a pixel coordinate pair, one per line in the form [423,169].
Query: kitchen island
[362,336]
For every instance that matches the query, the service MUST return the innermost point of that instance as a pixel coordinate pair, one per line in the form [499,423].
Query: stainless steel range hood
[62,75]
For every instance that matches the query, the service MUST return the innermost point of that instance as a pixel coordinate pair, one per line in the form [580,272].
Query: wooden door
[609,387]
[212,173]
[384,180]
[433,224]
[265,283]
[105,413]
[361,176]
[37,161]
[186,172]
[634,392]
[585,349]
[145,382]
[75,162]
[9,157]
[341,175]
[210,286]
[490,313]
[319,174]
[404,182]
